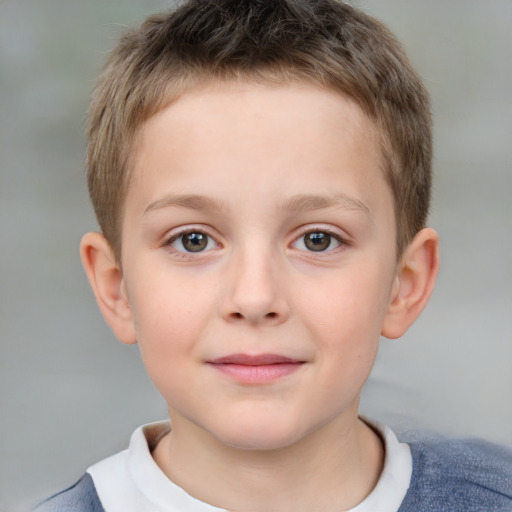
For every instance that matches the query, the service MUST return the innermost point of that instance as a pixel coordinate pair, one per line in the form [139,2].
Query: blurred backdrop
[71,394]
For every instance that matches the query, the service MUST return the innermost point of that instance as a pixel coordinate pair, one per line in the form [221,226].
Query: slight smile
[256,369]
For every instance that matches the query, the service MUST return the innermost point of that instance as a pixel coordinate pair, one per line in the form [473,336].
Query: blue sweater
[459,476]
[447,476]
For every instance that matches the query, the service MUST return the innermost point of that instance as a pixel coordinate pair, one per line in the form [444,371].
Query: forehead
[273,139]
[244,104]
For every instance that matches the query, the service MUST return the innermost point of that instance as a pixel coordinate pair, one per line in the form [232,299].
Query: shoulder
[466,475]
[81,497]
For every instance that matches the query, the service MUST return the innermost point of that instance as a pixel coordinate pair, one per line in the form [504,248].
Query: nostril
[236,315]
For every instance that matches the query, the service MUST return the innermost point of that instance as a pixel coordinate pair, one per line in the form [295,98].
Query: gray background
[70,394]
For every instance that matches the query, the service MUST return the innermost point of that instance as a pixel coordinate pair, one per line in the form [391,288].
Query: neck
[334,468]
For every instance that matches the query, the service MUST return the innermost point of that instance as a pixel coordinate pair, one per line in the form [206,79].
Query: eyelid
[176,233]
[316,228]
[313,228]
[188,228]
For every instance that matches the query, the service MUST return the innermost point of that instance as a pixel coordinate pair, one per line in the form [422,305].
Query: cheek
[170,317]
[348,308]
[345,315]
[168,306]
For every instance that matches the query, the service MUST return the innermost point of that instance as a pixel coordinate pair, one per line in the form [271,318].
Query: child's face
[259,260]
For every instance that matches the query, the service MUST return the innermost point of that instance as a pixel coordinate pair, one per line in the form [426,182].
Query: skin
[256,169]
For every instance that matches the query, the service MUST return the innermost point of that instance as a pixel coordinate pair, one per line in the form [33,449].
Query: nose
[253,291]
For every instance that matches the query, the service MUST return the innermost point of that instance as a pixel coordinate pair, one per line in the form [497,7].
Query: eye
[317,241]
[192,241]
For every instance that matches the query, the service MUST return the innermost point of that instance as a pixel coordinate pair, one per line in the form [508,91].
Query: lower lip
[257,374]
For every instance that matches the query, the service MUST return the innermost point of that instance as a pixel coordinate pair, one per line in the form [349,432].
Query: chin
[257,436]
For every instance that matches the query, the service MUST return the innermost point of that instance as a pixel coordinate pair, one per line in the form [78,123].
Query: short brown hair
[322,42]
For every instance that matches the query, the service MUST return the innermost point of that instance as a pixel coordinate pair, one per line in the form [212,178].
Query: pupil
[317,241]
[194,242]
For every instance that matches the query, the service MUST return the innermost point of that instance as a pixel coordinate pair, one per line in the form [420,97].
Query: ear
[414,282]
[106,279]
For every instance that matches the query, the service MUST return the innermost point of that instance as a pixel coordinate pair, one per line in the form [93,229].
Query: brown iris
[317,241]
[194,242]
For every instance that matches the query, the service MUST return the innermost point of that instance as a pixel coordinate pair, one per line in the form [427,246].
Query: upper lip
[254,360]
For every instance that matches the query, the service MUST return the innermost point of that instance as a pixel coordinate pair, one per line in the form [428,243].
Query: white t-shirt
[131,481]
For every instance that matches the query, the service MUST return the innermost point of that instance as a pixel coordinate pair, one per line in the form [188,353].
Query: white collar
[131,481]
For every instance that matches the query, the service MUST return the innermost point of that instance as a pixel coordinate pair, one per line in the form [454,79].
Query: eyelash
[187,254]
[334,236]
[184,253]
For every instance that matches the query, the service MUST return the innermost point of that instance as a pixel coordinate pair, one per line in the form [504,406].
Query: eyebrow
[297,204]
[191,201]
[311,202]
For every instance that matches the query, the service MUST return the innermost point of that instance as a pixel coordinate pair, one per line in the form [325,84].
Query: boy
[261,176]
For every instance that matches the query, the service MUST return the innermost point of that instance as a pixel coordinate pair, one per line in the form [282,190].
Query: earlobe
[413,284]
[106,280]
